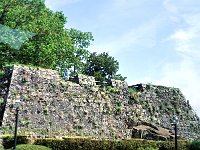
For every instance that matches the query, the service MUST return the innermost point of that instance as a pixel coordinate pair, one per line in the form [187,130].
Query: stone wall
[162,103]
[54,107]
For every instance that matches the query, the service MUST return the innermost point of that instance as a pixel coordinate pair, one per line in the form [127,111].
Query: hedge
[8,140]
[91,144]
[80,143]
[195,145]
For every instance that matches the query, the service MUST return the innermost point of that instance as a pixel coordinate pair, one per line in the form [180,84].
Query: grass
[30,147]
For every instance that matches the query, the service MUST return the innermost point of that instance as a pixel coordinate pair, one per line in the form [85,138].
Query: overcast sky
[155,41]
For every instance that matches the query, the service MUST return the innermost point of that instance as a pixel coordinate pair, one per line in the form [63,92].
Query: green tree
[102,66]
[119,77]
[81,41]
[49,44]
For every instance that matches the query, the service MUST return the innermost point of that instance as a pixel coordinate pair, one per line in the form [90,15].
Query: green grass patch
[31,147]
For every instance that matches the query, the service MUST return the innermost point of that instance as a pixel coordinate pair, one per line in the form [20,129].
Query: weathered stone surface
[54,107]
[119,84]
[151,132]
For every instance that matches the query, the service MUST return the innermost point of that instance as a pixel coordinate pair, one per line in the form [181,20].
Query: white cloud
[187,39]
[170,7]
[182,35]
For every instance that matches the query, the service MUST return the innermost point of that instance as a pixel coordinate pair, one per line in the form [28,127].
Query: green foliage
[98,76]
[101,66]
[2,73]
[119,77]
[111,89]
[126,144]
[133,95]
[132,91]
[23,18]
[118,108]
[79,41]
[1,100]
[32,34]
[195,145]
[31,147]
[1,147]
[84,143]
[8,140]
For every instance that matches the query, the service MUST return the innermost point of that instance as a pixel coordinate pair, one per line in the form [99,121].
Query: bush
[57,144]
[31,147]
[195,145]
[8,140]
[93,144]
[84,143]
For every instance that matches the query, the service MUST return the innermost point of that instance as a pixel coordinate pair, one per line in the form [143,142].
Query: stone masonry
[51,106]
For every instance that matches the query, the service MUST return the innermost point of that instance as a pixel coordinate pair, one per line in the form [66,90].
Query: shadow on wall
[5,79]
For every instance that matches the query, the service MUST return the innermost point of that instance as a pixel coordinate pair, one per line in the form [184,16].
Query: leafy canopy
[102,66]
[33,34]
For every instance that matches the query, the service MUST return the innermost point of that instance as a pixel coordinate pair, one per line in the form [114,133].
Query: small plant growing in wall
[45,111]
[118,109]
[118,102]
[134,96]
[111,89]
[27,123]
[132,91]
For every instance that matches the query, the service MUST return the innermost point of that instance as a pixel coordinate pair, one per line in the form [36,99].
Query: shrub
[126,144]
[31,147]
[85,143]
[132,91]
[53,143]
[195,145]
[8,140]
[111,89]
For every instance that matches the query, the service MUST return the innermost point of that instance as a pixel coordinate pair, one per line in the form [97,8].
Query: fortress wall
[54,107]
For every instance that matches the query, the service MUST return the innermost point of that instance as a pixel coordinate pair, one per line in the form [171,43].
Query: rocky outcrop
[51,106]
[151,132]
